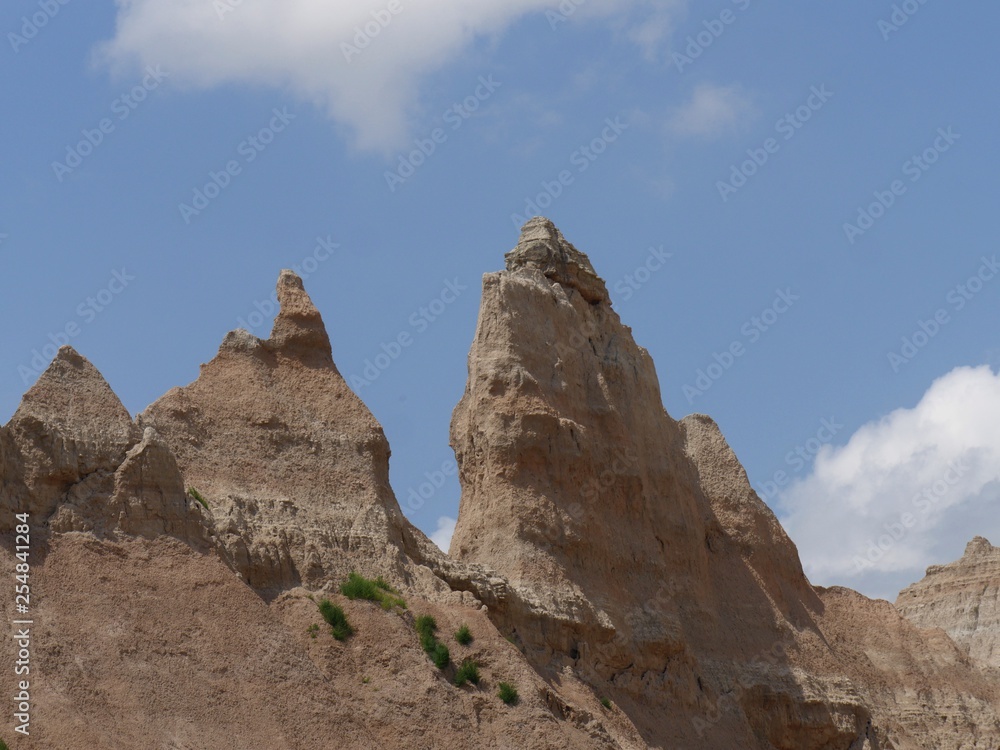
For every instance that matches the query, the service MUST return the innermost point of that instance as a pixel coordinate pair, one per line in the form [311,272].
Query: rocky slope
[963,599]
[603,551]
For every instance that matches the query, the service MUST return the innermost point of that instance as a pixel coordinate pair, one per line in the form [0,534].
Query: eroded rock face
[642,556]
[70,431]
[294,466]
[963,599]
[74,460]
[624,554]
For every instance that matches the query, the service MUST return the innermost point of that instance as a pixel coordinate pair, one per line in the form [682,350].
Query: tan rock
[70,430]
[645,561]
[293,465]
[963,599]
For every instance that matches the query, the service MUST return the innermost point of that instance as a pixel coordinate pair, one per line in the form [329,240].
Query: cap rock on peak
[543,248]
[298,325]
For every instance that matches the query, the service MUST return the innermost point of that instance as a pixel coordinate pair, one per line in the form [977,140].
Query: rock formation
[650,565]
[963,599]
[294,467]
[614,563]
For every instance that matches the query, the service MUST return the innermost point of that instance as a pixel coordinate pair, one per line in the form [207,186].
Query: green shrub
[463,635]
[334,615]
[359,587]
[425,624]
[197,496]
[507,693]
[468,672]
[3,745]
[440,656]
[606,702]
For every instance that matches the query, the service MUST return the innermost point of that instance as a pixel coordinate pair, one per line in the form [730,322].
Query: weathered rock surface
[963,599]
[294,467]
[70,432]
[650,565]
[619,554]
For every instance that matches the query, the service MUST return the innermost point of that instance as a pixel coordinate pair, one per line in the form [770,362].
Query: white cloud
[442,535]
[712,111]
[297,45]
[906,491]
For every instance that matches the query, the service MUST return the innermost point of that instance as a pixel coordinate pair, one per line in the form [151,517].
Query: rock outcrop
[649,564]
[612,562]
[963,599]
[294,467]
[71,432]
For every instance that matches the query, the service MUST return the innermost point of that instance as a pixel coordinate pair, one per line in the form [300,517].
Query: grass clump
[463,635]
[507,693]
[334,615]
[606,702]
[468,672]
[312,630]
[377,590]
[197,496]
[440,656]
[426,626]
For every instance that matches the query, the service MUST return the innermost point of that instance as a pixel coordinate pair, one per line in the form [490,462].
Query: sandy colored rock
[70,430]
[292,464]
[651,567]
[603,551]
[963,599]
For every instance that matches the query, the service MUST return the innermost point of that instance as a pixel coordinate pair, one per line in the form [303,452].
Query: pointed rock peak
[978,547]
[543,248]
[298,326]
[74,397]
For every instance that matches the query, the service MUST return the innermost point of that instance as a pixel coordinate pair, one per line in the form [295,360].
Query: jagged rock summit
[963,599]
[293,465]
[543,248]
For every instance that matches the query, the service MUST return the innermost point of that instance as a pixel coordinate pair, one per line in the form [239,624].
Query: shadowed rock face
[963,599]
[293,465]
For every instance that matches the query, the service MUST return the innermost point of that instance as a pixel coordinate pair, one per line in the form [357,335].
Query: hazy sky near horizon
[791,204]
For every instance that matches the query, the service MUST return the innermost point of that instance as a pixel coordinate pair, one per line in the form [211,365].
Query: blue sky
[739,138]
